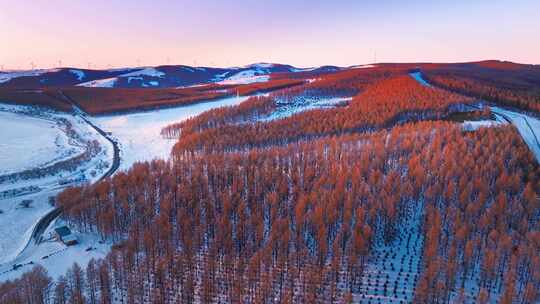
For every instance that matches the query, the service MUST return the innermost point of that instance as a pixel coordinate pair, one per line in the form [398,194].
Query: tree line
[297,223]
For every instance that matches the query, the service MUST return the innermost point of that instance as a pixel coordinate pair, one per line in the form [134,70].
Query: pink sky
[228,33]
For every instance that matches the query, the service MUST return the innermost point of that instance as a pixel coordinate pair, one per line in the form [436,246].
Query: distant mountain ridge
[166,76]
[174,76]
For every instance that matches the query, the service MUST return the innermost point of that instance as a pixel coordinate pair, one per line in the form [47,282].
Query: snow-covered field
[27,142]
[56,257]
[61,150]
[138,134]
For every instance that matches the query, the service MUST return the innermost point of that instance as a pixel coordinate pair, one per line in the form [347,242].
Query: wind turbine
[32,65]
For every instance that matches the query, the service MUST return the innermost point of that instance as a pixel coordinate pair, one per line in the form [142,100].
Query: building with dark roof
[63,234]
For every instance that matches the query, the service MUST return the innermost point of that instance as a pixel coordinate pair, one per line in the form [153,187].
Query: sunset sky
[229,33]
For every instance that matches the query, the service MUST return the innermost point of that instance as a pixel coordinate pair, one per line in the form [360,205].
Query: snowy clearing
[298,104]
[56,257]
[139,134]
[42,182]
[245,77]
[32,142]
[528,126]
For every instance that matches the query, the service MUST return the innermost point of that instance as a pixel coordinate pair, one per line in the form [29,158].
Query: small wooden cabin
[63,234]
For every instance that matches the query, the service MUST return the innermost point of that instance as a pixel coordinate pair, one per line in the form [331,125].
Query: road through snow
[527,126]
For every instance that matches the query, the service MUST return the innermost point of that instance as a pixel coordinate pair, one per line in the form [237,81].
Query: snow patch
[56,257]
[16,222]
[261,65]
[31,142]
[418,77]
[152,72]
[475,125]
[245,77]
[304,69]
[78,73]
[100,83]
[298,104]
[364,66]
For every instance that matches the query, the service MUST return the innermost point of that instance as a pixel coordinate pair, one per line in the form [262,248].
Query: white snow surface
[364,66]
[261,65]
[110,82]
[56,257]
[80,74]
[304,69]
[138,134]
[16,222]
[100,83]
[298,104]
[246,77]
[28,142]
[152,72]
[477,124]
[5,77]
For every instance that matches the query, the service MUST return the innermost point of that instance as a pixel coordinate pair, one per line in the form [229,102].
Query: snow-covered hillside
[245,77]
[169,76]
[9,75]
